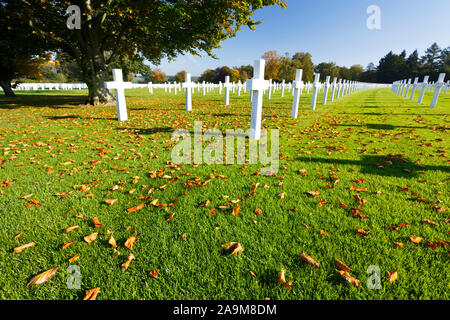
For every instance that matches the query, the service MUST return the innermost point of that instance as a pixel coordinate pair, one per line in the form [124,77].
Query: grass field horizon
[371,152]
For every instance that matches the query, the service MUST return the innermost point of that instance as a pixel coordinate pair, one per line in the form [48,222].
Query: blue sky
[331,30]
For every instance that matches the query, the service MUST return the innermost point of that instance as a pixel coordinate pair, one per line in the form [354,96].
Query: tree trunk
[7,88]
[97,92]
[95,73]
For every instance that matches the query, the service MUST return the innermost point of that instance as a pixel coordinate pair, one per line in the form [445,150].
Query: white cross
[297,87]
[283,85]
[338,87]
[316,87]
[239,88]
[414,86]
[343,86]
[437,90]
[227,86]
[408,85]
[150,87]
[269,92]
[120,87]
[334,89]
[257,85]
[188,86]
[325,90]
[424,86]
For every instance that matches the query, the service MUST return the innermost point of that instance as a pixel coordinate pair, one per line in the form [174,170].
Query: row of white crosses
[50,86]
[257,87]
[402,88]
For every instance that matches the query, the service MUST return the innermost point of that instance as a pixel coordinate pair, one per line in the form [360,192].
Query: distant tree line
[390,68]
[59,67]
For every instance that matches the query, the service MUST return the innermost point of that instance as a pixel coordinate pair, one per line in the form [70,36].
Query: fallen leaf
[289,285]
[91,294]
[154,273]
[74,258]
[392,276]
[281,277]
[309,260]
[362,232]
[236,210]
[43,277]
[96,222]
[345,275]
[110,201]
[430,222]
[416,240]
[112,242]
[235,247]
[398,244]
[136,208]
[126,264]
[91,237]
[66,245]
[71,228]
[343,266]
[25,246]
[130,241]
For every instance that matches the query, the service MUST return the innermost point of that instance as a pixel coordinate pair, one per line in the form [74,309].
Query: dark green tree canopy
[153,28]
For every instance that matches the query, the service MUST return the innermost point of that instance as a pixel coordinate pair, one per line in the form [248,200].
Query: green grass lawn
[50,145]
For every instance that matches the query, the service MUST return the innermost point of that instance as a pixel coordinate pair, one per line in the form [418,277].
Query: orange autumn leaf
[258,212]
[252,273]
[91,237]
[398,244]
[416,240]
[345,275]
[71,228]
[17,236]
[433,245]
[315,194]
[112,242]
[110,201]
[74,258]
[309,260]
[281,277]
[236,210]
[362,232]
[43,277]
[342,205]
[91,294]
[289,284]
[23,247]
[66,245]
[96,222]
[136,208]
[353,188]
[392,276]
[130,241]
[234,247]
[154,273]
[126,264]
[430,222]
[343,266]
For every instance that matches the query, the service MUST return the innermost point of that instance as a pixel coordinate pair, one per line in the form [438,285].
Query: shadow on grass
[50,101]
[147,131]
[394,114]
[389,165]
[379,126]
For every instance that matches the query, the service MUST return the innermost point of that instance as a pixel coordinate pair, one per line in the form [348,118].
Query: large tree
[19,50]
[154,28]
